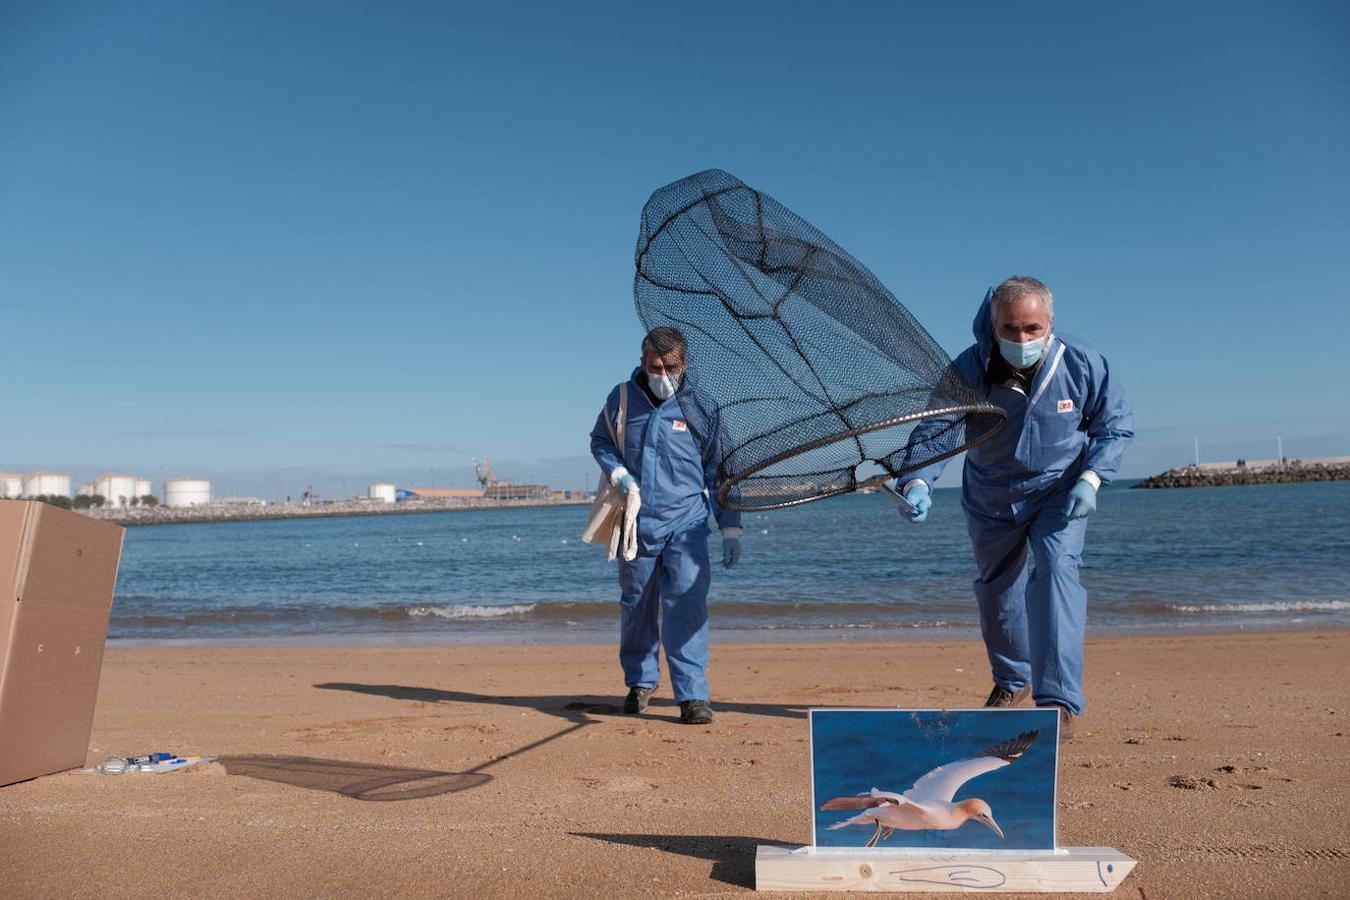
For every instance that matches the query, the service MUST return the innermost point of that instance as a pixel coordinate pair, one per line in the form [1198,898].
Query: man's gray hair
[665,340]
[1019,286]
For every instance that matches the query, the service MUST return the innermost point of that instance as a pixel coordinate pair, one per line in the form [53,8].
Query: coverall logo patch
[1066,406]
[679,425]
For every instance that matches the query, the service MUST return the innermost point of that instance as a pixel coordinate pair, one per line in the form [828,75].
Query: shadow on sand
[733,857]
[574,709]
[370,781]
[360,781]
[578,712]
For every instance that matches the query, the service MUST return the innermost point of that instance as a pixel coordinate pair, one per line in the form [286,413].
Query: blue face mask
[1022,356]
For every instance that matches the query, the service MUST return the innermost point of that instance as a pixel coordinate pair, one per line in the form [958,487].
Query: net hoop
[723,493]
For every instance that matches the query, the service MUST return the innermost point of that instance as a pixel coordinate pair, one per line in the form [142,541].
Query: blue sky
[278,242]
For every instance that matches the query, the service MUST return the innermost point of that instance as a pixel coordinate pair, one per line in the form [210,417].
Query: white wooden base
[1083,869]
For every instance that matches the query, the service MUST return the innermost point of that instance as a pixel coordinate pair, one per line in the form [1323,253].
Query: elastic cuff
[909,484]
[732,532]
[617,475]
[1092,478]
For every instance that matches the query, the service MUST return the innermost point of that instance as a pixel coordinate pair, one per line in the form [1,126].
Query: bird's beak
[994,825]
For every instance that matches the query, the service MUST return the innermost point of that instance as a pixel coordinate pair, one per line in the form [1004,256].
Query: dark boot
[696,712]
[1001,697]
[1066,717]
[637,699]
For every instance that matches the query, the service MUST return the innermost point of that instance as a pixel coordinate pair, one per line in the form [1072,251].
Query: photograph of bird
[929,803]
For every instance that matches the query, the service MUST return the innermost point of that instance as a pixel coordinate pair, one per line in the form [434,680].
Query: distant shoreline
[185,515]
[1242,473]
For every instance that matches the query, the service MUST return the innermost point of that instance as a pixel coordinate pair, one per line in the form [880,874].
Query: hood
[983,329]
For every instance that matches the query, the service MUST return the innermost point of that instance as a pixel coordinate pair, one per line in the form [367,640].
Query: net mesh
[817,373]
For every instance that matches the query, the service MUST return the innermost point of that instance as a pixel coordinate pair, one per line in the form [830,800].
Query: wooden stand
[1083,869]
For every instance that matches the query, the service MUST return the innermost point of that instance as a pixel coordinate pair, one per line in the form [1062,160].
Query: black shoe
[637,699]
[1002,697]
[696,712]
[1066,718]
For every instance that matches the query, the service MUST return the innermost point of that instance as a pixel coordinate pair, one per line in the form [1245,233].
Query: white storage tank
[143,487]
[86,489]
[385,493]
[49,484]
[116,490]
[11,484]
[186,492]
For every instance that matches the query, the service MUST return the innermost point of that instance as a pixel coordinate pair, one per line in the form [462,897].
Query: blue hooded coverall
[670,576]
[1075,419]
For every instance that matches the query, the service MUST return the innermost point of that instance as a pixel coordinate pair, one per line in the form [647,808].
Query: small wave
[469,611]
[1271,607]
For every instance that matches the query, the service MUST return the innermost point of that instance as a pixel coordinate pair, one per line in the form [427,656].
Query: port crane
[483,472]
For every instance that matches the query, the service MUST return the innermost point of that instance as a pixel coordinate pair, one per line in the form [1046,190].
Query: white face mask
[664,386]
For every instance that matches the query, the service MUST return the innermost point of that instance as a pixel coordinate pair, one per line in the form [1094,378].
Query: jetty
[1243,471]
[257,511]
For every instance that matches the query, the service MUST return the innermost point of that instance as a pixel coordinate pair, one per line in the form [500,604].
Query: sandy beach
[1221,762]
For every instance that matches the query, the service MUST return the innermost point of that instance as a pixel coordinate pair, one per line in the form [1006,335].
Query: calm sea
[1274,556]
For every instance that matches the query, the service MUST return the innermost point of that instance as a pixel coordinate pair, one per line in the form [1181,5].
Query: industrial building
[116,490]
[505,490]
[187,492]
[46,484]
[382,492]
[429,493]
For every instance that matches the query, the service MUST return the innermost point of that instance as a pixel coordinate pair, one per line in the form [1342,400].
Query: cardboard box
[57,574]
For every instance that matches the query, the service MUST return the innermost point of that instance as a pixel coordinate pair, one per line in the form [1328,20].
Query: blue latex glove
[626,484]
[920,498]
[1082,501]
[731,551]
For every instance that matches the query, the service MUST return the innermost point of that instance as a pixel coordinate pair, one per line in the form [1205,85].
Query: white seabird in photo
[928,804]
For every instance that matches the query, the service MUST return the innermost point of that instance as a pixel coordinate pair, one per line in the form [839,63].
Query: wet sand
[1221,762]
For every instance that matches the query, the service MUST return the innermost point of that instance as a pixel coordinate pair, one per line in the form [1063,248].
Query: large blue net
[818,374]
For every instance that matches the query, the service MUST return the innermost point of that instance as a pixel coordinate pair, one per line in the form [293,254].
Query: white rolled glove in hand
[632,502]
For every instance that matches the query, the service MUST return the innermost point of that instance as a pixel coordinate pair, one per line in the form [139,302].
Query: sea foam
[472,611]
[1275,606]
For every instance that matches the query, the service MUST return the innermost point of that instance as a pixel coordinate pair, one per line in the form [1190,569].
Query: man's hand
[627,484]
[1082,501]
[920,500]
[731,550]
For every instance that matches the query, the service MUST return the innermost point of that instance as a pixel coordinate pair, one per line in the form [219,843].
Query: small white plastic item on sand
[116,765]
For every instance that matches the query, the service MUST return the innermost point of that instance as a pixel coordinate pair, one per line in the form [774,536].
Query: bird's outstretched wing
[865,801]
[943,782]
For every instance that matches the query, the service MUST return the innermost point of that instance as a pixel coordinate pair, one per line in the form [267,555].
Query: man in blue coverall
[672,457]
[1032,487]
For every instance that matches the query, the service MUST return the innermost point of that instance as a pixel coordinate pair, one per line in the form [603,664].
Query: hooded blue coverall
[1075,419]
[670,576]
